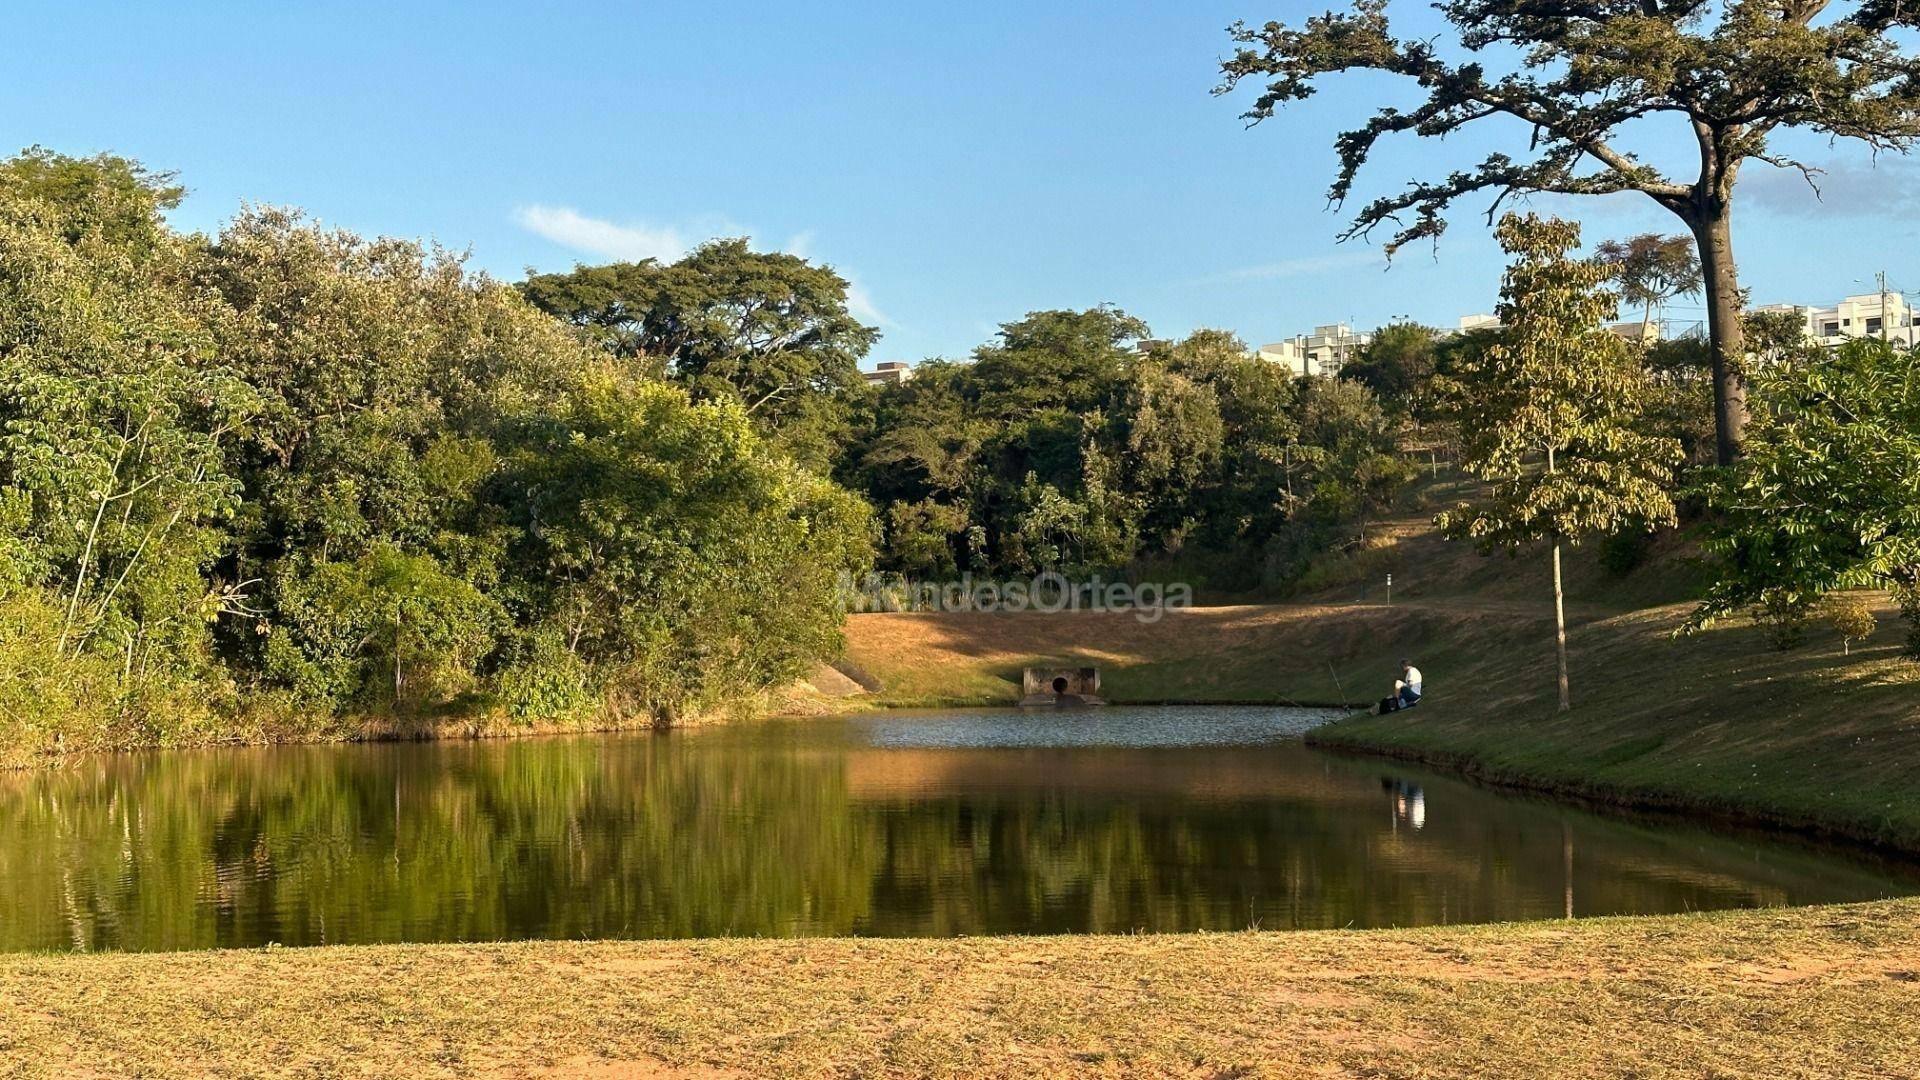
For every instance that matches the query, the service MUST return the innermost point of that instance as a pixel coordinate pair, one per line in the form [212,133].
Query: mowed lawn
[1822,991]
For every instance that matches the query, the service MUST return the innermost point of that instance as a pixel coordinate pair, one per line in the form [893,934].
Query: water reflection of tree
[306,845]
[741,834]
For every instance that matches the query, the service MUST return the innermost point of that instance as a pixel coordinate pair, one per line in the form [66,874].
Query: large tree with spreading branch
[1730,73]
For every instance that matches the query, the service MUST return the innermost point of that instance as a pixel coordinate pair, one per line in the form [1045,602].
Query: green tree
[1073,443]
[1825,499]
[117,414]
[1355,463]
[921,538]
[115,199]
[674,557]
[1579,76]
[1395,365]
[1551,415]
[767,329]
[1251,494]
[1168,441]
[286,475]
[389,622]
[1650,270]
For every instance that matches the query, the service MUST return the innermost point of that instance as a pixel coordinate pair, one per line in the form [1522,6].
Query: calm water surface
[936,823]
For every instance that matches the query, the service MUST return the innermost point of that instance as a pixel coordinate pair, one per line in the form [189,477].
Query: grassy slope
[1713,721]
[1799,992]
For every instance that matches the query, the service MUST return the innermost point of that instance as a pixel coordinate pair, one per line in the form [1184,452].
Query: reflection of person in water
[1409,801]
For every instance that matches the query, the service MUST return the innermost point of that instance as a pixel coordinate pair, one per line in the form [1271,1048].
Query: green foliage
[1850,617]
[1826,498]
[1784,619]
[116,417]
[50,698]
[543,681]
[1068,446]
[1395,365]
[668,549]
[1622,553]
[388,627]
[921,538]
[111,198]
[1552,416]
[766,329]
[287,470]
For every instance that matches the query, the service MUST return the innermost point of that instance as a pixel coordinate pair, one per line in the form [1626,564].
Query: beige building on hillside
[888,373]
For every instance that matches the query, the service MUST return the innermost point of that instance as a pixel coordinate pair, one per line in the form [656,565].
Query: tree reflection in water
[819,827]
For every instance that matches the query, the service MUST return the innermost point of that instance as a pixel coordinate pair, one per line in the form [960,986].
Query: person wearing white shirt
[1406,689]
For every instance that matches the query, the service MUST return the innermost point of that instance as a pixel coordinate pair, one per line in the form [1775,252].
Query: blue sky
[962,165]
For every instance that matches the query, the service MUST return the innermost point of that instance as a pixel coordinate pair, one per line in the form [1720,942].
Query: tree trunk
[1713,233]
[1560,628]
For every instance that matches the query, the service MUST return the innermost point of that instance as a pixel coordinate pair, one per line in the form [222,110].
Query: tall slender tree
[1551,415]
[1728,74]
[1650,269]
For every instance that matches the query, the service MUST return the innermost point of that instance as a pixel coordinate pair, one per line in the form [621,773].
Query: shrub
[544,681]
[1622,553]
[1850,617]
[1785,621]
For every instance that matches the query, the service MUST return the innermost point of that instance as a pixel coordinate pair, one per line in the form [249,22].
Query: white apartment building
[1331,347]
[1323,352]
[1856,317]
[1643,331]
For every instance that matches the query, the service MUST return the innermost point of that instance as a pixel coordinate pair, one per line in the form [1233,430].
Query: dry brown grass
[1802,992]
[1306,653]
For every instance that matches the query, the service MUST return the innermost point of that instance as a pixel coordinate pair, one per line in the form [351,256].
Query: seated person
[1406,689]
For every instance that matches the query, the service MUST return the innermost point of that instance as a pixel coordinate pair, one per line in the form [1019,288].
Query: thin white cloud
[859,301]
[1292,268]
[597,236]
[1862,187]
[862,306]
[801,244]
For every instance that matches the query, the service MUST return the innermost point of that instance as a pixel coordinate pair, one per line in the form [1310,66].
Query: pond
[928,823]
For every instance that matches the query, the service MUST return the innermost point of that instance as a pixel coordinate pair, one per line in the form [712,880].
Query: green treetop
[767,329]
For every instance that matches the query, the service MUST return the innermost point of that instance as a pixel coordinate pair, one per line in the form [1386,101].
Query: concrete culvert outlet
[1050,686]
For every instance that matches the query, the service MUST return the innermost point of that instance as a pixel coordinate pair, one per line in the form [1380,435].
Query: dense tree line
[1072,442]
[1066,445]
[283,478]
[285,475]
